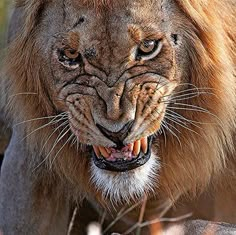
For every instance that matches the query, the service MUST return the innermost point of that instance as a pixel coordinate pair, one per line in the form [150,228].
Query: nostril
[117,137]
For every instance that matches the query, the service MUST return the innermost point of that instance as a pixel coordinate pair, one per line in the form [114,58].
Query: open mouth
[126,158]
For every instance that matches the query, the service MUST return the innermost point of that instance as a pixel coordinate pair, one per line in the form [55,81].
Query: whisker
[178,122]
[201,110]
[68,140]
[74,141]
[197,109]
[22,93]
[40,118]
[165,124]
[194,86]
[11,97]
[196,89]
[77,144]
[175,119]
[58,139]
[62,124]
[162,131]
[187,109]
[55,143]
[158,88]
[173,127]
[187,96]
[184,118]
[44,160]
[192,108]
[43,126]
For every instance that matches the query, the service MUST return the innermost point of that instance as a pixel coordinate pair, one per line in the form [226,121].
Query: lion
[117,101]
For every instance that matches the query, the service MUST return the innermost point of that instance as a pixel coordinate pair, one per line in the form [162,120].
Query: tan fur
[201,159]
[213,66]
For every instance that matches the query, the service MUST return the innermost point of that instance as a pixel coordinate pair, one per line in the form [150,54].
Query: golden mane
[212,57]
[212,65]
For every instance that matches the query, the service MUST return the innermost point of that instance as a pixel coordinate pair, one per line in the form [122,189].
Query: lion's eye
[147,46]
[69,57]
[71,54]
[148,49]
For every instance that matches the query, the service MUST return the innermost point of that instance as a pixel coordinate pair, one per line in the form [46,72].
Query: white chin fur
[130,185]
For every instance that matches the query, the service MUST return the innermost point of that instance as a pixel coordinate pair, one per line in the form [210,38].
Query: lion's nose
[117,137]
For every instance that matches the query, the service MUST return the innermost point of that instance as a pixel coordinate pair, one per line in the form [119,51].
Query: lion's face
[113,70]
[137,87]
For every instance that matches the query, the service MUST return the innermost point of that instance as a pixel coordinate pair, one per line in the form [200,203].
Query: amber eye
[71,54]
[69,57]
[148,49]
[147,46]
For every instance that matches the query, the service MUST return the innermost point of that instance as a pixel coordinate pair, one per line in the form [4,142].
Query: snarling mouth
[126,158]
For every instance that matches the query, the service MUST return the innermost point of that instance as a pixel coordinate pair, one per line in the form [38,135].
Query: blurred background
[4,15]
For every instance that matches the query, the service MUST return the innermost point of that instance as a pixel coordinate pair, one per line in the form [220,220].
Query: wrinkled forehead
[115,5]
[148,12]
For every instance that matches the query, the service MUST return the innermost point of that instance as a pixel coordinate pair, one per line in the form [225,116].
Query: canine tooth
[97,151]
[104,152]
[137,146]
[144,144]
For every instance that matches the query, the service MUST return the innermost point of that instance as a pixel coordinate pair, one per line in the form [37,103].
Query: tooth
[137,146]
[97,151]
[144,144]
[131,147]
[104,152]
[108,150]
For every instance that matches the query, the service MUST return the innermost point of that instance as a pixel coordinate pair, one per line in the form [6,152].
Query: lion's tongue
[120,155]
[128,152]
